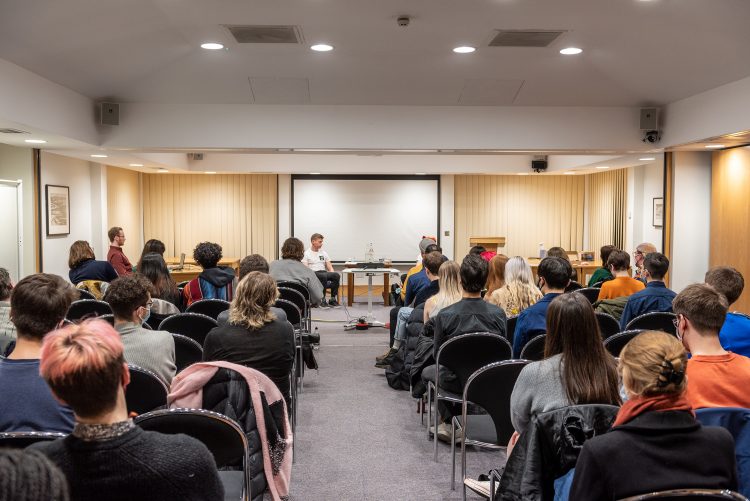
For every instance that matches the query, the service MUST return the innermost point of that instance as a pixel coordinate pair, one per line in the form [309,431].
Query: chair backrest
[193,325]
[510,328]
[294,296]
[608,325]
[209,307]
[155,319]
[301,288]
[591,293]
[84,294]
[689,494]
[87,308]
[145,392]
[654,321]
[22,439]
[737,421]
[187,351]
[182,284]
[108,318]
[615,344]
[490,387]
[293,314]
[534,348]
[466,353]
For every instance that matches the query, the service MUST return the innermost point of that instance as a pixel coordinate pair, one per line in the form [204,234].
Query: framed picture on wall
[658,214]
[58,209]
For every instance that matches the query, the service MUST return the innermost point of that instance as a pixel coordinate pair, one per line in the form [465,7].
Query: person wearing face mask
[38,305]
[130,299]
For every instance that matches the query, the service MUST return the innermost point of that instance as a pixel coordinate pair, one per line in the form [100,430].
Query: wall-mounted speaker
[649,118]
[109,114]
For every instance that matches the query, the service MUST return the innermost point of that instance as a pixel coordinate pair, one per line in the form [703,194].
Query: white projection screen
[350,212]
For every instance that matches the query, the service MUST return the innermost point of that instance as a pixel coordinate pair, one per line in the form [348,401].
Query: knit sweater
[538,389]
[619,286]
[136,465]
[294,271]
[150,350]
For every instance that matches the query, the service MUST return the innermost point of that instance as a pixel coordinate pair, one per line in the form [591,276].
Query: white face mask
[623,393]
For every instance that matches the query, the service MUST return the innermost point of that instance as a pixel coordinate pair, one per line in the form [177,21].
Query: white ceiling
[635,52]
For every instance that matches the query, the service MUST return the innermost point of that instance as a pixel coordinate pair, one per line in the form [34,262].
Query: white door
[10,237]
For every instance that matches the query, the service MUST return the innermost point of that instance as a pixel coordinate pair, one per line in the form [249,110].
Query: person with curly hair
[290,268]
[214,282]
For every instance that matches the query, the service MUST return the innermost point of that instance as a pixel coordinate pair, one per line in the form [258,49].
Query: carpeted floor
[358,439]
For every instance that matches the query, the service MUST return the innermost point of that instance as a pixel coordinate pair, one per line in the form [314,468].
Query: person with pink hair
[107,456]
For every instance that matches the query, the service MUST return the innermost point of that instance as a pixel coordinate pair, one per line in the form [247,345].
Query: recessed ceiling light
[210,172]
[602,166]
[98,156]
[523,173]
[136,165]
[162,171]
[713,146]
[569,173]
[571,51]
[321,47]
[646,159]
[420,173]
[464,49]
[35,141]
[315,173]
[212,46]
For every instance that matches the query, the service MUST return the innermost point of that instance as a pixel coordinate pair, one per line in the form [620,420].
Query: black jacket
[653,452]
[465,316]
[549,448]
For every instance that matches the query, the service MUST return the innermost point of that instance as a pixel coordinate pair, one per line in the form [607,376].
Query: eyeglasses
[676,320]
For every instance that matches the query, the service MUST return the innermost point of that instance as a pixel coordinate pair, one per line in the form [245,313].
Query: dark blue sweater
[91,269]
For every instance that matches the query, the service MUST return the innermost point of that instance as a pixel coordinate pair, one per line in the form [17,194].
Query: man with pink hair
[107,456]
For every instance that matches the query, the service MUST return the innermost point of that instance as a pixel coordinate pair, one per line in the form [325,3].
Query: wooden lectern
[489,243]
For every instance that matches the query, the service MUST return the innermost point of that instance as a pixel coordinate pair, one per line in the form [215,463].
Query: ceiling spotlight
[98,156]
[420,173]
[321,47]
[464,49]
[315,173]
[212,46]
[210,172]
[602,166]
[714,146]
[646,159]
[136,165]
[35,141]
[571,51]
[162,171]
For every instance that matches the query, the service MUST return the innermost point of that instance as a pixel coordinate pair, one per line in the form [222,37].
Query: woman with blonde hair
[519,291]
[254,337]
[496,275]
[450,290]
[84,266]
[655,443]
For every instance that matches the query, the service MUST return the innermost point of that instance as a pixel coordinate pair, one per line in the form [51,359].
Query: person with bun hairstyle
[655,443]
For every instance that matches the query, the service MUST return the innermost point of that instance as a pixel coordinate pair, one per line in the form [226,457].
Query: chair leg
[434,435]
[453,454]
[429,408]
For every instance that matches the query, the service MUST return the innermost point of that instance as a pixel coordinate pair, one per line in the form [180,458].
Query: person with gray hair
[7,329]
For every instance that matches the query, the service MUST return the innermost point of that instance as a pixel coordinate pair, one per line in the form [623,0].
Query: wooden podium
[489,243]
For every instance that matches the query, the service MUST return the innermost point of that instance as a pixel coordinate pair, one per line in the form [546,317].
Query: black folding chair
[301,288]
[654,321]
[108,318]
[534,348]
[84,294]
[294,317]
[608,325]
[615,344]
[220,434]
[22,439]
[690,494]
[87,308]
[209,307]
[193,325]
[145,392]
[155,319]
[296,297]
[490,388]
[510,328]
[463,355]
[187,351]
[591,293]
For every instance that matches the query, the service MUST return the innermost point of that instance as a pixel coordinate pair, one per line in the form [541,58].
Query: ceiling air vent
[12,131]
[265,34]
[524,38]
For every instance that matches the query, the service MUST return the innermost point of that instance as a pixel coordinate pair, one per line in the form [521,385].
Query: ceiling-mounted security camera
[651,136]
[403,21]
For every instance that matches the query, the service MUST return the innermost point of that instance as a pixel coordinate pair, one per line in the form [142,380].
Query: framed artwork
[58,209]
[658,214]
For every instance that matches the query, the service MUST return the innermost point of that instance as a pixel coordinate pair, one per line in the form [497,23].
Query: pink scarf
[187,391]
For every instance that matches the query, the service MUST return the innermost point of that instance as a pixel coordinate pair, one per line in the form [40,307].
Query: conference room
[517,126]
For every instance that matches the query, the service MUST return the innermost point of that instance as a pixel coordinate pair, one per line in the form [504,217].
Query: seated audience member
[420,281]
[253,262]
[84,266]
[519,291]
[477,250]
[496,275]
[656,296]
[154,268]
[319,262]
[735,333]
[27,475]
[602,274]
[290,268]
[152,246]
[107,456]
[254,337]
[655,443]
[115,255]
[7,329]
[449,276]
[640,254]
[554,276]
[716,377]
[38,305]
[621,285]
[560,252]
[214,282]
[131,304]
[432,262]
[415,270]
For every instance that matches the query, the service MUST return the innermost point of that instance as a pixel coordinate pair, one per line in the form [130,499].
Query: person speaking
[318,261]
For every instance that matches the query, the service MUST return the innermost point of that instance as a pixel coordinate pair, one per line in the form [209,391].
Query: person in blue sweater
[554,276]
[656,296]
[735,333]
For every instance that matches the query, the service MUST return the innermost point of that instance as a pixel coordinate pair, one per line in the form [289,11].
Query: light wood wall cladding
[730,216]
[607,209]
[237,211]
[526,210]
[124,209]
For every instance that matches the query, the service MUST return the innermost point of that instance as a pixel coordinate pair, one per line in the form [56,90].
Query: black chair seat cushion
[232,482]
[479,428]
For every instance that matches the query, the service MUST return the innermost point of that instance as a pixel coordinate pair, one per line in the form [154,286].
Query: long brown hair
[251,306]
[589,373]
[496,275]
[80,251]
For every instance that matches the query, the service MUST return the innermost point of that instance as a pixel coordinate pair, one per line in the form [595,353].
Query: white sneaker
[481,487]
[444,433]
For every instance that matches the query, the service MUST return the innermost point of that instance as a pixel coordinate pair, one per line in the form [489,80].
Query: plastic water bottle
[542,251]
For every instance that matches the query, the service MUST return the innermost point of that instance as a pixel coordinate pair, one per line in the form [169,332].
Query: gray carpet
[358,439]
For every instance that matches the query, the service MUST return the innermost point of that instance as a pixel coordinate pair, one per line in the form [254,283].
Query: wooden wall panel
[124,208]
[237,211]
[608,194]
[730,216]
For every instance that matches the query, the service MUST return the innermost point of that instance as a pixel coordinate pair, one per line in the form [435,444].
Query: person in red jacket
[115,256]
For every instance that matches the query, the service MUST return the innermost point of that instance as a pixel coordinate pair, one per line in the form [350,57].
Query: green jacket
[600,275]
[613,307]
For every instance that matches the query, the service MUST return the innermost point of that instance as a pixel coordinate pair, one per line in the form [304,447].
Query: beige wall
[124,208]
[607,207]
[239,212]
[18,163]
